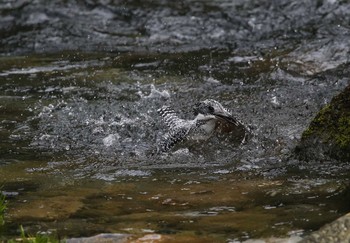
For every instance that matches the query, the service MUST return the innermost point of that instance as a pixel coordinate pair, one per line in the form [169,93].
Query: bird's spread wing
[169,117]
[172,138]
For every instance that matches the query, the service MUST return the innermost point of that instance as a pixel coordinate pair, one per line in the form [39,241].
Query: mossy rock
[328,135]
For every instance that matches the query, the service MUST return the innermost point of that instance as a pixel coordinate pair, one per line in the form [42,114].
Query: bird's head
[214,108]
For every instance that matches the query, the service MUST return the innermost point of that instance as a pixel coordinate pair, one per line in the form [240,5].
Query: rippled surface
[77,129]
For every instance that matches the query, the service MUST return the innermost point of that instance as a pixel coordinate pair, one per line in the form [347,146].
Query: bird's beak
[226,116]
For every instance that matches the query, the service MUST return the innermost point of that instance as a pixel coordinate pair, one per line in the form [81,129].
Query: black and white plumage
[210,114]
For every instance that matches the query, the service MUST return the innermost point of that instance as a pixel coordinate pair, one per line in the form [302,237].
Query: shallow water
[77,130]
[215,204]
[77,127]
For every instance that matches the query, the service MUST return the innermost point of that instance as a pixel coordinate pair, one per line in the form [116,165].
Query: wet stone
[337,231]
[328,135]
[119,26]
[101,238]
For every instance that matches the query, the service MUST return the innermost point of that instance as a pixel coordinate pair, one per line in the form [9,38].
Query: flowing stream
[77,128]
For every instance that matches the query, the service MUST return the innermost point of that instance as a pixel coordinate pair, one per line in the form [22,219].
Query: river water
[77,128]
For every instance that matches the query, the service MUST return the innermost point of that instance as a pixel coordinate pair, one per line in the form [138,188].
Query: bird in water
[211,117]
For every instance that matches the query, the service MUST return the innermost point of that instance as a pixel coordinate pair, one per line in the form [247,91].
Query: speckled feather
[209,112]
[169,117]
[172,138]
[178,129]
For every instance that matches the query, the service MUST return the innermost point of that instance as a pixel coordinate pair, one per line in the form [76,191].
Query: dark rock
[328,135]
[117,26]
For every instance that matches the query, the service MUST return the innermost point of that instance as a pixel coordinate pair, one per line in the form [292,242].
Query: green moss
[2,209]
[323,125]
[318,123]
[343,136]
[330,126]
[329,132]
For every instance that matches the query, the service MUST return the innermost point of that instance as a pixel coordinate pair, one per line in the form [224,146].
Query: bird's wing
[172,138]
[169,117]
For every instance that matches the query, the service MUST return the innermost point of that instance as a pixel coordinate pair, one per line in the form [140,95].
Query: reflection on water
[76,136]
[181,202]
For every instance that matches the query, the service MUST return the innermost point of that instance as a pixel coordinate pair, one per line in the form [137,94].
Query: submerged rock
[105,238]
[328,135]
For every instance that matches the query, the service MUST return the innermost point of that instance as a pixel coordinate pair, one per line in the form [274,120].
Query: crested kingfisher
[211,117]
